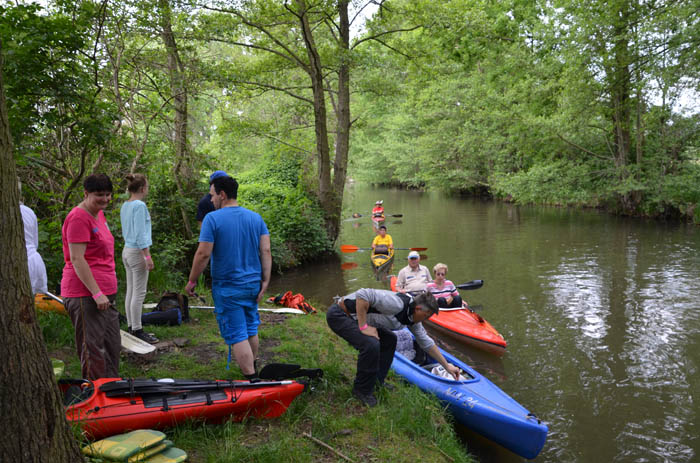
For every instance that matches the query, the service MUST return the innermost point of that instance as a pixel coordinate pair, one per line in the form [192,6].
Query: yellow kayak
[382,261]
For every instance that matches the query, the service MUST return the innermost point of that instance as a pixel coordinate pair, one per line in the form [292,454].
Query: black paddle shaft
[474,284]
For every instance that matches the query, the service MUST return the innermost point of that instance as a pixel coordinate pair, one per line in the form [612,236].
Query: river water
[601,315]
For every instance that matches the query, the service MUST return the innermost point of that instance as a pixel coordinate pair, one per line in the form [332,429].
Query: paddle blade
[347,248]
[418,249]
[348,265]
[395,215]
[474,284]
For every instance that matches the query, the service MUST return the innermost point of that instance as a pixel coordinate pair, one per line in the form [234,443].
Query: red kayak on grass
[109,406]
[466,326]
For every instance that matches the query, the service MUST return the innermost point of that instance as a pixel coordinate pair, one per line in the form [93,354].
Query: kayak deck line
[496,348]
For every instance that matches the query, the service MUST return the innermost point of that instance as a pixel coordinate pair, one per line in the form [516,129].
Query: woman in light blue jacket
[136,229]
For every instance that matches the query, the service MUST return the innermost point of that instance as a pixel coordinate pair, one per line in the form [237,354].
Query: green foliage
[294,220]
[56,329]
[522,101]
[559,182]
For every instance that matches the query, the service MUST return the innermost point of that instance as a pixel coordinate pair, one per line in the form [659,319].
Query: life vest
[402,316]
[294,301]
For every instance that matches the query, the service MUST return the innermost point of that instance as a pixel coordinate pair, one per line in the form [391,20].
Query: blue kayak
[478,404]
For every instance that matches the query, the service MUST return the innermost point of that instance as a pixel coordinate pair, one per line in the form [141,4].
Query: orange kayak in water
[466,326]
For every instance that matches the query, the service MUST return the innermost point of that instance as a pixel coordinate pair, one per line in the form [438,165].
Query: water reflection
[601,315]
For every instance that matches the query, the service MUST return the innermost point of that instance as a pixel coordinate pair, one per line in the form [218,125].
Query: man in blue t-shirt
[237,242]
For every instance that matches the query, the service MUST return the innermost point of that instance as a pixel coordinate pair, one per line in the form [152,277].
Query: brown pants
[97,337]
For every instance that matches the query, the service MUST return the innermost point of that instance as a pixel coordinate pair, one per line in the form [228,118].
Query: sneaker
[367,399]
[142,335]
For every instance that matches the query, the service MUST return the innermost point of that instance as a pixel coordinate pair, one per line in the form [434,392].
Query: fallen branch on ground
[323,444]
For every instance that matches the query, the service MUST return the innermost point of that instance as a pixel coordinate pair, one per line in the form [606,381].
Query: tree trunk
[620,85]
[342,142]
[315,72]
[34,424]
[179,92]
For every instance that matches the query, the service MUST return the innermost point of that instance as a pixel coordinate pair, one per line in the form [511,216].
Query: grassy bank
[407,425]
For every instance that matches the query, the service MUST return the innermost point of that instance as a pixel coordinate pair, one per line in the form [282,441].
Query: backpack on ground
[171,317]
[170,300]
[172,309]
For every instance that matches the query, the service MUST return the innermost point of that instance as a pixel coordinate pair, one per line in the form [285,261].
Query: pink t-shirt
[81,227]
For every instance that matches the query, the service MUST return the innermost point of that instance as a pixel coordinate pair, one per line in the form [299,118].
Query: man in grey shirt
[366,318]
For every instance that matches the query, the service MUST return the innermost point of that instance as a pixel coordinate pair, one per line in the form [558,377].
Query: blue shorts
[236,310]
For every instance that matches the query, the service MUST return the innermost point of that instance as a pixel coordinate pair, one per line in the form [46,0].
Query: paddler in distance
[382,243]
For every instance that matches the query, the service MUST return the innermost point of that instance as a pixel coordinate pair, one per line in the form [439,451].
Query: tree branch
[49,166]
[293,56]
[374,37]
[581,148]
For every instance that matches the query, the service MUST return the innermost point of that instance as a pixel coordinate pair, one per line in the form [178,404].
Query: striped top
[448,289]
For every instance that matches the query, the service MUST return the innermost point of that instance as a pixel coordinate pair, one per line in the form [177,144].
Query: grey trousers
[136,286]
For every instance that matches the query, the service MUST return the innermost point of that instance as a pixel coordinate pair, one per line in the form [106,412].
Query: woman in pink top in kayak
[89,283]
[444,290]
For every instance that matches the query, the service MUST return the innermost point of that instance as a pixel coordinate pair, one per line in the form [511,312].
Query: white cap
[413,254]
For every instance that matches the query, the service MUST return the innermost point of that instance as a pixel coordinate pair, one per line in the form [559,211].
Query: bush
[558,182]
[295,222]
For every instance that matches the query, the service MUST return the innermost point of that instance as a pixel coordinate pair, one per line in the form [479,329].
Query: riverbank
[406,425]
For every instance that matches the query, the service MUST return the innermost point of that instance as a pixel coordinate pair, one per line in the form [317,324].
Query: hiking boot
[142,335]
[367,399]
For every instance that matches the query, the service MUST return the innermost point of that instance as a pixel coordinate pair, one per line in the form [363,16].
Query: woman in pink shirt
[444,290]
[89,283]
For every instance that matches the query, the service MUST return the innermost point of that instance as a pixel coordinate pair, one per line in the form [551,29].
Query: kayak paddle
[474,284]
[347,248]
[358,215]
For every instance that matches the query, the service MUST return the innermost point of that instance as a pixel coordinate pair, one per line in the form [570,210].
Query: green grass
[407,425]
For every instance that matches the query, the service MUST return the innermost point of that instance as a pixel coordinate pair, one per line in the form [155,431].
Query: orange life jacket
[294,301]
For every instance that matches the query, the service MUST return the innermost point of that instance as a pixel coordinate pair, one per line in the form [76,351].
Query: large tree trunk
[620,94]
[179,93]
[315,72]
[342,142]
[35,426]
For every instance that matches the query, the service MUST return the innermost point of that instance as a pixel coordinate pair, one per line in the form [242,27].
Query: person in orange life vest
[382,242]
[378,209]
